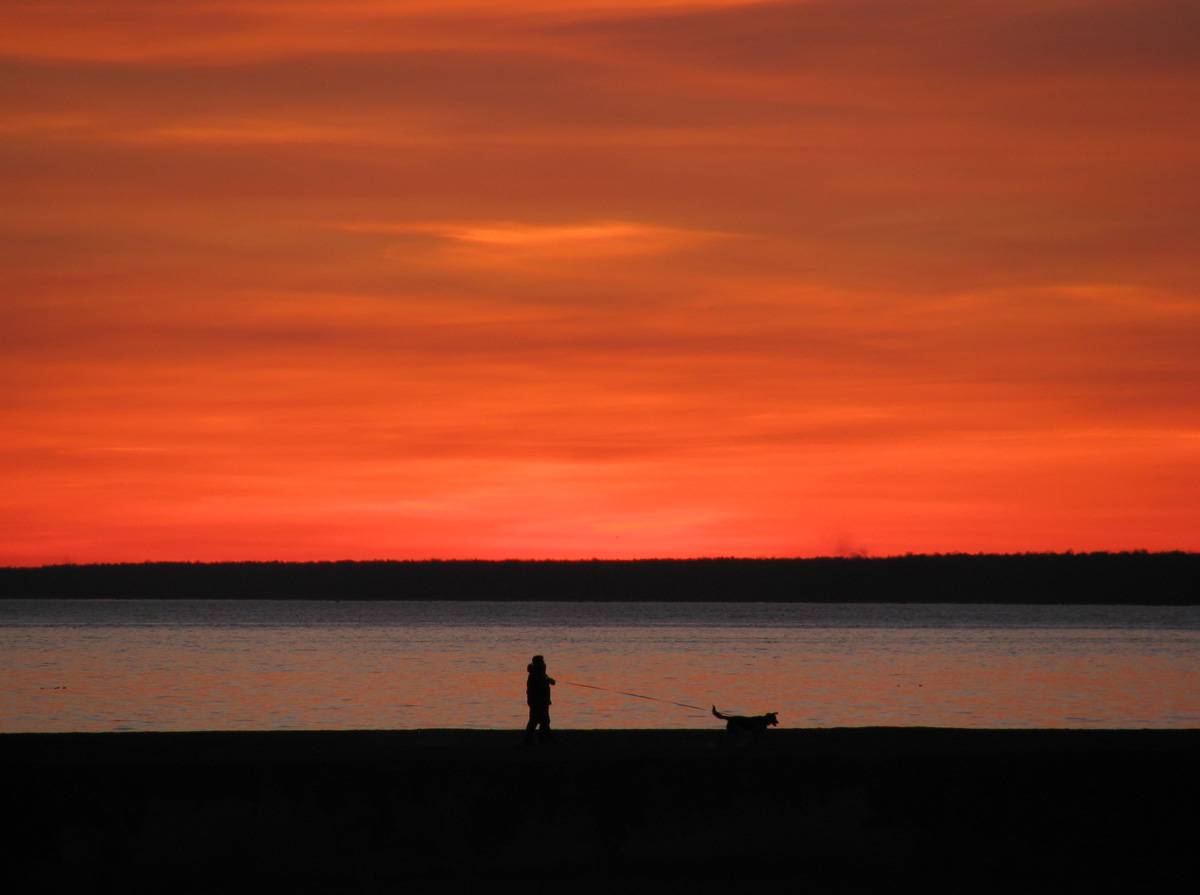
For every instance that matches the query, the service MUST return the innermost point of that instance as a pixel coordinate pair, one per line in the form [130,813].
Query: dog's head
[772,718]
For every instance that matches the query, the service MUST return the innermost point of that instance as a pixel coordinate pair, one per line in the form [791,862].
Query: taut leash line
[637,695]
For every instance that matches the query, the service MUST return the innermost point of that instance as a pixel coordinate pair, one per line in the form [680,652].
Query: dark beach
[835,809]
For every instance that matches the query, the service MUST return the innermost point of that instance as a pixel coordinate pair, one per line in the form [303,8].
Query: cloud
[916,38]
[504,243]
[218,31]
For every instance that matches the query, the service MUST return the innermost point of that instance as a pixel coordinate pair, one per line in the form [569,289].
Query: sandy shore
[837,809]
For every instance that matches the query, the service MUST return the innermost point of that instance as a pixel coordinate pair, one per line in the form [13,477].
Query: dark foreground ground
[613,811]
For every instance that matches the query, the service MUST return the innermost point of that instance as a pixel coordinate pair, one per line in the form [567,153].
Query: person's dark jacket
[537,687]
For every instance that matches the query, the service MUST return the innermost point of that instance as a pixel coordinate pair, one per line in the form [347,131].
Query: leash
[685,705]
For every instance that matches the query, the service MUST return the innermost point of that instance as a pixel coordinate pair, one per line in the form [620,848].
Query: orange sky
[465,278]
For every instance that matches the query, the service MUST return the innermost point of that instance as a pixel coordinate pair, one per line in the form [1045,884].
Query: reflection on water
[188,665]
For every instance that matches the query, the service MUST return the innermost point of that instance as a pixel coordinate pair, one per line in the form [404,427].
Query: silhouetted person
[537,696]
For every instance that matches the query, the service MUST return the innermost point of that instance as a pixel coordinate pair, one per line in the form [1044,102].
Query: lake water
[112,665]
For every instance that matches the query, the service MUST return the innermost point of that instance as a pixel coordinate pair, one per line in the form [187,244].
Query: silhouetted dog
[740,724]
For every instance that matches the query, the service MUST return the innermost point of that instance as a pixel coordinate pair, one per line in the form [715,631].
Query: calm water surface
[216,665]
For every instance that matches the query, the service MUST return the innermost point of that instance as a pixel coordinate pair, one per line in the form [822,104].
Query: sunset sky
[597,278]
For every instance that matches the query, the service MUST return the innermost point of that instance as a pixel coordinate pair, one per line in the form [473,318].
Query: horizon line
[595,559]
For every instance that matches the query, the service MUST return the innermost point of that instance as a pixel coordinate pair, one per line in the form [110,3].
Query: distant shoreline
[1135,578]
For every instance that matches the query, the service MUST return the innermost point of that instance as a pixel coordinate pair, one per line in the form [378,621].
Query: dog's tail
[718,714]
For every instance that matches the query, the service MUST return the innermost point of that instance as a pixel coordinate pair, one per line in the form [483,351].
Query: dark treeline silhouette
[1079,578]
